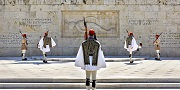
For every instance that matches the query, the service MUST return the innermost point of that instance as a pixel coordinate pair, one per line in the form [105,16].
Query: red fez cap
[45,34]
[130,33]
[91,32]
[24,35]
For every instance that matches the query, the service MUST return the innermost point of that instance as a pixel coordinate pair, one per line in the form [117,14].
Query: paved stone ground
[13,67]
[62,73]
[86,89]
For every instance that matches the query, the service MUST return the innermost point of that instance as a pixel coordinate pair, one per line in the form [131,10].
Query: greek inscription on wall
[14,40]
[105,23]
[35,23]
[167,39]
[142,21]
[16,2]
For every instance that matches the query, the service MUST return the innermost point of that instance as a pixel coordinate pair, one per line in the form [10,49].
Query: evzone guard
[24,46]
[44,44]
[157,46]
[90,58]
[131,45]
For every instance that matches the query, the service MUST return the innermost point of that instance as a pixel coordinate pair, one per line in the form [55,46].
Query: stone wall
[109,18]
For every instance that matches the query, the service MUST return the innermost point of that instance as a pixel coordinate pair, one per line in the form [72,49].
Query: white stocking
[158,52]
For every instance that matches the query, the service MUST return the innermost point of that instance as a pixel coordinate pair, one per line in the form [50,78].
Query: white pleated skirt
[90,67]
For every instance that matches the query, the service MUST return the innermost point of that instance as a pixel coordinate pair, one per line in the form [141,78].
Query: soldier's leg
[88,73]
[94,80]
[130,54]
[44,57]
[23,55]
[158,54]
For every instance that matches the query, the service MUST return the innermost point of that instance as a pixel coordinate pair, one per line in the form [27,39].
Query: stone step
[72,59]
[67,80]
[82,85]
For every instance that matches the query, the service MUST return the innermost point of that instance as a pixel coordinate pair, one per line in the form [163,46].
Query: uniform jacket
[90,48]
[24,44]
[157,44]
[80,59]
[133,45]
[46,48]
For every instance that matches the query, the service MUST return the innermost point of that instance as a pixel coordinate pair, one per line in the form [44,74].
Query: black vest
[90,48]
[47,41]
[129,40]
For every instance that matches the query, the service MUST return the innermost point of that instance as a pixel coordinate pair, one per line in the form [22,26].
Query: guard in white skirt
[157,47]
[90,58]
[131,45]
[24,46]
[44,44]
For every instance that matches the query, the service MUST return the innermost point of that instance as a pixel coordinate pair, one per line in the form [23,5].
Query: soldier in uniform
[24,46]
[157,47]
[90,58]
[131,45]
[44,44]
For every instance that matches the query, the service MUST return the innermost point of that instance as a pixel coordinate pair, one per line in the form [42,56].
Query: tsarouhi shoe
[131,61]
[24,59]
[157,59]
[44,61]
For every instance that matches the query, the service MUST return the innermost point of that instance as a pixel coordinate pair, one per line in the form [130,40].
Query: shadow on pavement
[131,63]
[38,62]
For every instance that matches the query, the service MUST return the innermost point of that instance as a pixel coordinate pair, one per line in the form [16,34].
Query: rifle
[158,37]
[85,34]
[47,31]
[20,32]
[127,31]
[95,36]
[22,35]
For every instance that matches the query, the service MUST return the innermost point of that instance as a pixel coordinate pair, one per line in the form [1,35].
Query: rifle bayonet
[85,25]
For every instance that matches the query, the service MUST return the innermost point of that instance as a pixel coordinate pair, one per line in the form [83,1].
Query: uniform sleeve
[134,45]
[53,42]
[40,44]
[101,59]
[79,61]
[125,45]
